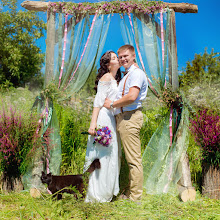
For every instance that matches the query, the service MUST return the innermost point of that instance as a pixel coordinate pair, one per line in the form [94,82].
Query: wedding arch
[76,33]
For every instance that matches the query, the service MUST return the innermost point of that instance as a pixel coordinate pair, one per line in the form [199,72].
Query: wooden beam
[35,6]
[177,7]
[183,7]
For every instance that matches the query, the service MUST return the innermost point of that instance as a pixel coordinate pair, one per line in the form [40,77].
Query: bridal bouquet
[103,136]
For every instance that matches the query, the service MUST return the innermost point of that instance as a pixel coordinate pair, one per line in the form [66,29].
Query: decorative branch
[177,7]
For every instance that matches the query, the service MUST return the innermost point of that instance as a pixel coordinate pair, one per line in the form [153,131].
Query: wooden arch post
[187,192]
[50,42]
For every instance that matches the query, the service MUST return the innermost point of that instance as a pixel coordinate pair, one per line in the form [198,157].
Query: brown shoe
[123,196]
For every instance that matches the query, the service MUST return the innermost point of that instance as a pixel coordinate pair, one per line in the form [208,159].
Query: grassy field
[23,206]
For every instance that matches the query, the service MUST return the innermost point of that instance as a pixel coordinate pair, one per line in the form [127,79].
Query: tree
[205,67]
[200,82]
[20,58]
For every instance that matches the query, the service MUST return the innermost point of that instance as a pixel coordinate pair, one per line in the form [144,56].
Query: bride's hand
[92,130]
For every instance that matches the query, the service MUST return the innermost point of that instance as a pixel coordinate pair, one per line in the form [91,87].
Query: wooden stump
[186,191]
[187,194]
[211,181]
[35,193]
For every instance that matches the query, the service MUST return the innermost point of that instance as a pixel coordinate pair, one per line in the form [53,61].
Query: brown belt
[129,112]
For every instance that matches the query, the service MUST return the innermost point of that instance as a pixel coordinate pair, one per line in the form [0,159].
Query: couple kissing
[117,105]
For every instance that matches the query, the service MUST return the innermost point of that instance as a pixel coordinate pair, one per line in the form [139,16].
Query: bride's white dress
[104,182]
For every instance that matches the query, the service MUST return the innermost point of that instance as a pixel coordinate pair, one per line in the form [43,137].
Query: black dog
[60,184]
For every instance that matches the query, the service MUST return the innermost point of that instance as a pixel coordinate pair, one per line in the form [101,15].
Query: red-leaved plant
[18,142]
[206,130]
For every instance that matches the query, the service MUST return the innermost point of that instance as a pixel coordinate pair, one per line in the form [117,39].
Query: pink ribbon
[139,54]
[162,34]
[93,22]
[40,120]
[162,39]
[171,130]
[45,112]
[64,50]
[49,191]
[47,168]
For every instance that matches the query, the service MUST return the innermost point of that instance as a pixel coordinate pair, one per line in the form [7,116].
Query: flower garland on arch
[121,7]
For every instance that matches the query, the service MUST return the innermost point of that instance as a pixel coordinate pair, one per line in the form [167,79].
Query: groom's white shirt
[137,78]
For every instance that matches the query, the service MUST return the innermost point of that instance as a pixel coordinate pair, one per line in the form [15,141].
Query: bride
[104,182]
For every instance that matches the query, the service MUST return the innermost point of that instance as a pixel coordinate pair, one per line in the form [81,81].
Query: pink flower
[103,136]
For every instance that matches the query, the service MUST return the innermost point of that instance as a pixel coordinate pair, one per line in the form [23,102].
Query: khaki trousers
[128,126]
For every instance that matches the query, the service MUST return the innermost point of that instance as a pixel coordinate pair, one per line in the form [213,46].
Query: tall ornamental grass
[206,130]
[18,142]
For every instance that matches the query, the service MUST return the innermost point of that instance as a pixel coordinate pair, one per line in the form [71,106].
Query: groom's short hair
[126,47]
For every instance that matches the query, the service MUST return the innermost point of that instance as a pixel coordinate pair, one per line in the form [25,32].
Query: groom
[129,118]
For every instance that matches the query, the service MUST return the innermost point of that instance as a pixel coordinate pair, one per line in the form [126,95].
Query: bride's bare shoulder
[105,78]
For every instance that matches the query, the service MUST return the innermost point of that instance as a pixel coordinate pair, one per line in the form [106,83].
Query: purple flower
[103,136]
[206,129]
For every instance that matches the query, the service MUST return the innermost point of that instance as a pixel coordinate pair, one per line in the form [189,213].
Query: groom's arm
[125,100]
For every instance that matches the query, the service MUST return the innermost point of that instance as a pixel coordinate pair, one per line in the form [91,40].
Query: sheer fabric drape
[77,53]
[83,49]
[160,160]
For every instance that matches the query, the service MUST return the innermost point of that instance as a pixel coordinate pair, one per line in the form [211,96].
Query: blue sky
[195,32]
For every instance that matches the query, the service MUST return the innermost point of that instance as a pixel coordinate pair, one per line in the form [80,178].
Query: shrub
[206,130]
[204,67]
[200,81]
[72,122]
[18,142]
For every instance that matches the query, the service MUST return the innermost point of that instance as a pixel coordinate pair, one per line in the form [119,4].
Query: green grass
[23,206]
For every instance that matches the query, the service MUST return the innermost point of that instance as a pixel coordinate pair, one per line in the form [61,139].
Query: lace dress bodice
[105,89]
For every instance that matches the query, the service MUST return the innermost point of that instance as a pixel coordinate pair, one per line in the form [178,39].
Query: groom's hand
[107,103]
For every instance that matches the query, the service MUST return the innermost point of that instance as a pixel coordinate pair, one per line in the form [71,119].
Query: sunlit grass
[23,206]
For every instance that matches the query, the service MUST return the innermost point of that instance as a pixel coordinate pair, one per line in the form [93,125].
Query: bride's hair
[104,62]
